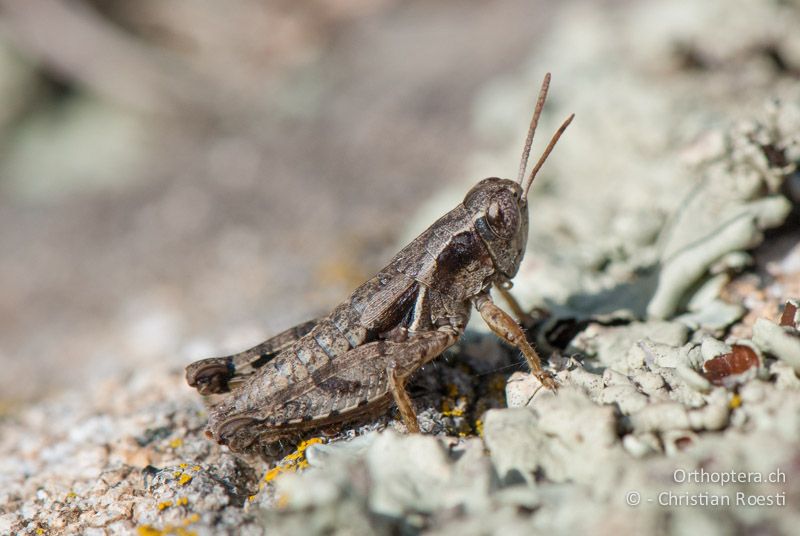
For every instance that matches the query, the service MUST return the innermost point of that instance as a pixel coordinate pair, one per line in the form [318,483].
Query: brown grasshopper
[353,363]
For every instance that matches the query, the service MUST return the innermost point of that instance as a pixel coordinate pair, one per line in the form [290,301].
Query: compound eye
[503,217]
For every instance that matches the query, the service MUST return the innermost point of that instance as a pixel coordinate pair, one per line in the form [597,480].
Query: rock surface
[679,405]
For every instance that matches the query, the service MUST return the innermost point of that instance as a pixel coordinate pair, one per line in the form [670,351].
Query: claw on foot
[547,380]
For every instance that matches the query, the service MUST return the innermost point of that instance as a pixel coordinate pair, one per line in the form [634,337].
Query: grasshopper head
[500,214]
[499,207]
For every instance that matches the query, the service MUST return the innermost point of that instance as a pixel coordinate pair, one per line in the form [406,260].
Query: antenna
[526,151]
[545,154]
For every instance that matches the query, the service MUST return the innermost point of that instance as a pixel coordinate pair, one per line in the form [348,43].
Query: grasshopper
[352,364]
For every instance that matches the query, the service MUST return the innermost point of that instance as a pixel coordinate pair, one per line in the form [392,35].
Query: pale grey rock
[783,343]
[667,416]
[652,384]
[679,390]
[688,265]
[711,348]
[693,379]
[714,317]
[610,345]
[326,453]
[391,460]
[515,443]
[587,381]
[641,445]
[627,398]
[785,376]
[707,292]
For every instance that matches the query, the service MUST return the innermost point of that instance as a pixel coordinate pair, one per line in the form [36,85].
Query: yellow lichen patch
[149,530]
[184,479]
[272,473]
[163,505]
[183,465]
[447,405]
[175,443]
[195,468]
[291,463]
[182,501]
[40,530]
[69,496]
[455,412]
[194,518]
[451,408]
[735,402]
[301,448]
[479,427]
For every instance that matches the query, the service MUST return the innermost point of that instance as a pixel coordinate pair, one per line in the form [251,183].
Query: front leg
[504,327]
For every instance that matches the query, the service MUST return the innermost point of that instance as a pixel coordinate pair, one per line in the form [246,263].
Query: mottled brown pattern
[354,362]
[216,374]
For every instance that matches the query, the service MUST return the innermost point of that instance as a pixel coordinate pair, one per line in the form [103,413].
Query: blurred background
[180,178]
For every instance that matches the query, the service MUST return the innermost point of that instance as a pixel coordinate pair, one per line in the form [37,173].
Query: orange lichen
[184,479]
[163,505]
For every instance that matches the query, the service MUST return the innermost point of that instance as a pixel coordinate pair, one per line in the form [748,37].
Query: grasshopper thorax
[499,212]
